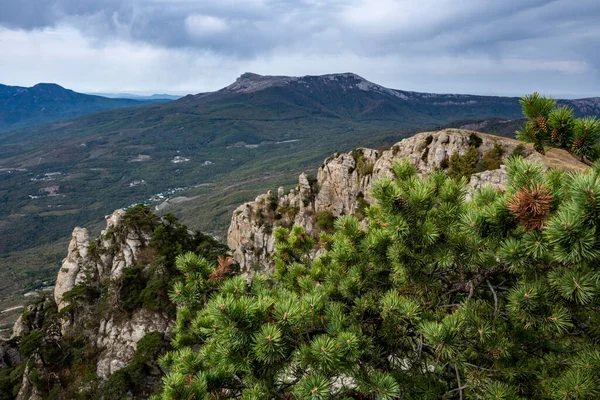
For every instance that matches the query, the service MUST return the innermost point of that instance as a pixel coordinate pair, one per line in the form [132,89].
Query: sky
[495,47]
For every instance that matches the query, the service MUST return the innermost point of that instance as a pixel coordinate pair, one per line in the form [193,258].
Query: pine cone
[555,135]
[539,148]
[577,143]
[542,123]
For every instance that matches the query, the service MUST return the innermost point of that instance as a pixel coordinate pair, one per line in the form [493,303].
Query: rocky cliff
[343,184]
[88,279]
[116,249]
[111,296]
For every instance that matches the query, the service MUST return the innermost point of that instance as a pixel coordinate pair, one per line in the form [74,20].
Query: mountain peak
[249,76]
[250,82]
[48,86]
[254,77]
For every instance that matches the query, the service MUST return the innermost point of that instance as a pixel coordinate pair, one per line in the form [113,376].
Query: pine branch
[495,296]
[476,281]
[460,386]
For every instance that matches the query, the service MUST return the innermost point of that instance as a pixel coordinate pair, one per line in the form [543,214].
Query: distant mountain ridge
[252,83]
[154,97]
[48,102]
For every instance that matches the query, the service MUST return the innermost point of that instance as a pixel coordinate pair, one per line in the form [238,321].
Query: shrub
[272,203]
[549,125]
[93,250]
[30,343]
[463,166]
[313,183]
[10,381]
[475,140]
[287,211]
[145,287]
[492,159]
[140,217]
[362,206]
[325,220]
[363,167]
[519,151]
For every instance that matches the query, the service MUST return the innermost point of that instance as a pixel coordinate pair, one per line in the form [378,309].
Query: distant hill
[49,102]
[152,97]
[208,152]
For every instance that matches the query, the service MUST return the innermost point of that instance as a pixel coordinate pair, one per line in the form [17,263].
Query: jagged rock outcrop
[119,338]
[117,249]
[343,186]
[32,318]
[106,263]
[9,354]
[110,311]
[70,272]
[98,264]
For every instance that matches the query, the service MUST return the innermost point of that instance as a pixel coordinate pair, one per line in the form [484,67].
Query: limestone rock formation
[119,338]
[80,265]
[101,262]
[343,186]
[69,273]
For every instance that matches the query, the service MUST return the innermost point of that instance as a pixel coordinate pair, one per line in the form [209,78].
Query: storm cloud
[477,46]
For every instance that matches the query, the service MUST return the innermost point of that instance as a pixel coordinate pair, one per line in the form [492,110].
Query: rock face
[102,261]
[344,181]
[34,319]
[28,390]
[80,265]
[69,274]
[119,338]
[9,354]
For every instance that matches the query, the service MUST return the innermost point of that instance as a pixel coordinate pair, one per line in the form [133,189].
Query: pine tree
[537,110]
[586,132]
[437,297]
[548,125]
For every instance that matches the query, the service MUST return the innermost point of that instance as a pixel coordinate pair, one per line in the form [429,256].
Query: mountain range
[204,154]
[156,96]
[48,102]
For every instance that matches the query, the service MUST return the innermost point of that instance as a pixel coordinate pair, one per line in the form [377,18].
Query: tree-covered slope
[47,102]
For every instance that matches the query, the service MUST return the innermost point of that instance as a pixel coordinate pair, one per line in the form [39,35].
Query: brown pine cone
[539,148]
[577,143]
[542,123]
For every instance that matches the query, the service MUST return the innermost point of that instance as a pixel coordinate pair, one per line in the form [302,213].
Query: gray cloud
[246,28]
[559,37]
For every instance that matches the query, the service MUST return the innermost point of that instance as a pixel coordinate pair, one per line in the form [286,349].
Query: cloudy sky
[508,47]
